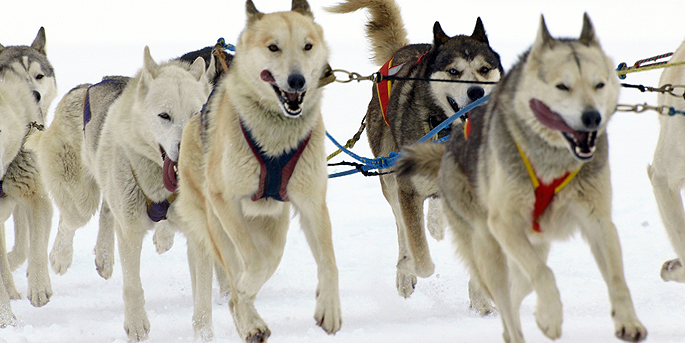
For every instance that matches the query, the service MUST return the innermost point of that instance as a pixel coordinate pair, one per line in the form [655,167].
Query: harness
[86,102]
[155,210]
[275,172]
[384,86]
[543,192]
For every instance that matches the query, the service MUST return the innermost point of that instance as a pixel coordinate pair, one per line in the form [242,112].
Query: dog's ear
[544,39]
[147,74]
[439,36]
[39,42]
[211,68]
[197,69]
[302,7]
[252,13]
[587,34]
[479,32]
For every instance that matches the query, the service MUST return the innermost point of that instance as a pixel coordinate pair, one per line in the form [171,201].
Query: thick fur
[67,167]
[667,169]
[31,63]
[488,195]
[219,173]
[119,156]
[414,108]
[23,190]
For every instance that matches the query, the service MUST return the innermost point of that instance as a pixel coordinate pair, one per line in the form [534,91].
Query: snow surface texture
[87,40]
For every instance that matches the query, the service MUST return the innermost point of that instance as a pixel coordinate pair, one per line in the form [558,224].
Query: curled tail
[385,30]
[421,161]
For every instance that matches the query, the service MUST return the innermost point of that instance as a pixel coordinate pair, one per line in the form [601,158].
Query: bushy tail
[385,30]
[422,161]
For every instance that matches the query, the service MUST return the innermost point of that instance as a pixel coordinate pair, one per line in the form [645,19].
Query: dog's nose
[36,95]
[475,93]
[591,119]
[296,81]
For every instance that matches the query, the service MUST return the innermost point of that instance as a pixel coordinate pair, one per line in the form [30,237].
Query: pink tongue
[169,175]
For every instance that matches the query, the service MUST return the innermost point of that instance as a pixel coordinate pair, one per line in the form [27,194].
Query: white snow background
[89,39]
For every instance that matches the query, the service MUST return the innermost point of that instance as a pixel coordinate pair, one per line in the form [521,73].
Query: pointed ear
[587,34]
[39,41]
[439,36]
[211,69]
[146,75]
[252,13]
[479,32]
[543,39]
[197,69]
[302,7]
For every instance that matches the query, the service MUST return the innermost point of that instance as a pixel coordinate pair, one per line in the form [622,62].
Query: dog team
[219,147]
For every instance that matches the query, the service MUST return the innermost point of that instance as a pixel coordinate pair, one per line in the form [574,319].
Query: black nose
[36,95]
[475,93]
[296,81]
[591,119]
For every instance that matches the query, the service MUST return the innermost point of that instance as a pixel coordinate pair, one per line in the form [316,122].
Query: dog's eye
[273,47]
[39,76]
[308,46]
[454,72]
[164,116]
[484,70]
[563,87]
[599,85]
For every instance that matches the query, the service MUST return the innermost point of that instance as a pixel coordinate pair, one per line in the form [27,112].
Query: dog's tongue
[266,76]
[169,175]
[549,118]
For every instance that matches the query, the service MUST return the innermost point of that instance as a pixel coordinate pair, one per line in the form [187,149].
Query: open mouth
[291,102]
[169,172]
[581,143]
[453,103]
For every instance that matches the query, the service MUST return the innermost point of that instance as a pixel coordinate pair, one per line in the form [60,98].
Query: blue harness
[275,172]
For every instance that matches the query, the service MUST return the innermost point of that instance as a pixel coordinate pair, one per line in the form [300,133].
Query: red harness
[384,86]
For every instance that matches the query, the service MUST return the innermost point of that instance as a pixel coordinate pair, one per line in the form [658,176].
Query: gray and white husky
[123,150]
[410,109]
[531,167]
[666,171]
[21,188]
[31,63]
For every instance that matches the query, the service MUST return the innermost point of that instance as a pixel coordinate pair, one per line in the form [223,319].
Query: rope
[386,162]
[350,142]
[623,68]
[665,89]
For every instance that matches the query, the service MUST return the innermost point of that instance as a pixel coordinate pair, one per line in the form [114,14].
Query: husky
[257,149]
[32,64]
[531,167]
[100,97]
[401,115]
[21,188]
[665,172]
[127,154]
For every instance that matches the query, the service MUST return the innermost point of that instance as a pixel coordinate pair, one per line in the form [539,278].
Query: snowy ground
[87,40]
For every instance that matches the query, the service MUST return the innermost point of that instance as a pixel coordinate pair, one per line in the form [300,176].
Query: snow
[88,39]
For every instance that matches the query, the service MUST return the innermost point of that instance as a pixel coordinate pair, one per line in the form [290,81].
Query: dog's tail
[385,29]
[33,139]
[421,161]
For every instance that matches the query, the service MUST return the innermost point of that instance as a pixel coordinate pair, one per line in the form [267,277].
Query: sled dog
[531,167]
[99,97]
[257,149]
[124,149]
[32,64]
[400,115]
[21,188]
[666,171]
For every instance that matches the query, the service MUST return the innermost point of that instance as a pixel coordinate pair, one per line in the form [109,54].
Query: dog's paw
[258,335]
[39,295]
[137,327]
[423,267]
[405,283]
[203,328]
[61,256]
[104,263]
[633,332]
[163,239]
[7,318]
[328,314]
[673,271]
[548,316]
[482,306]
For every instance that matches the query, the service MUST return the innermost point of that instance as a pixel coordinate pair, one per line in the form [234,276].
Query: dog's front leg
[20,251]
[316,226]
[201,267]
[604,242]
[40,219]
[509,227]
[6,284]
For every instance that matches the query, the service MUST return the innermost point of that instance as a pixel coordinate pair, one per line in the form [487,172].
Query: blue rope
[386,162]
[223,44]
[672,112]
